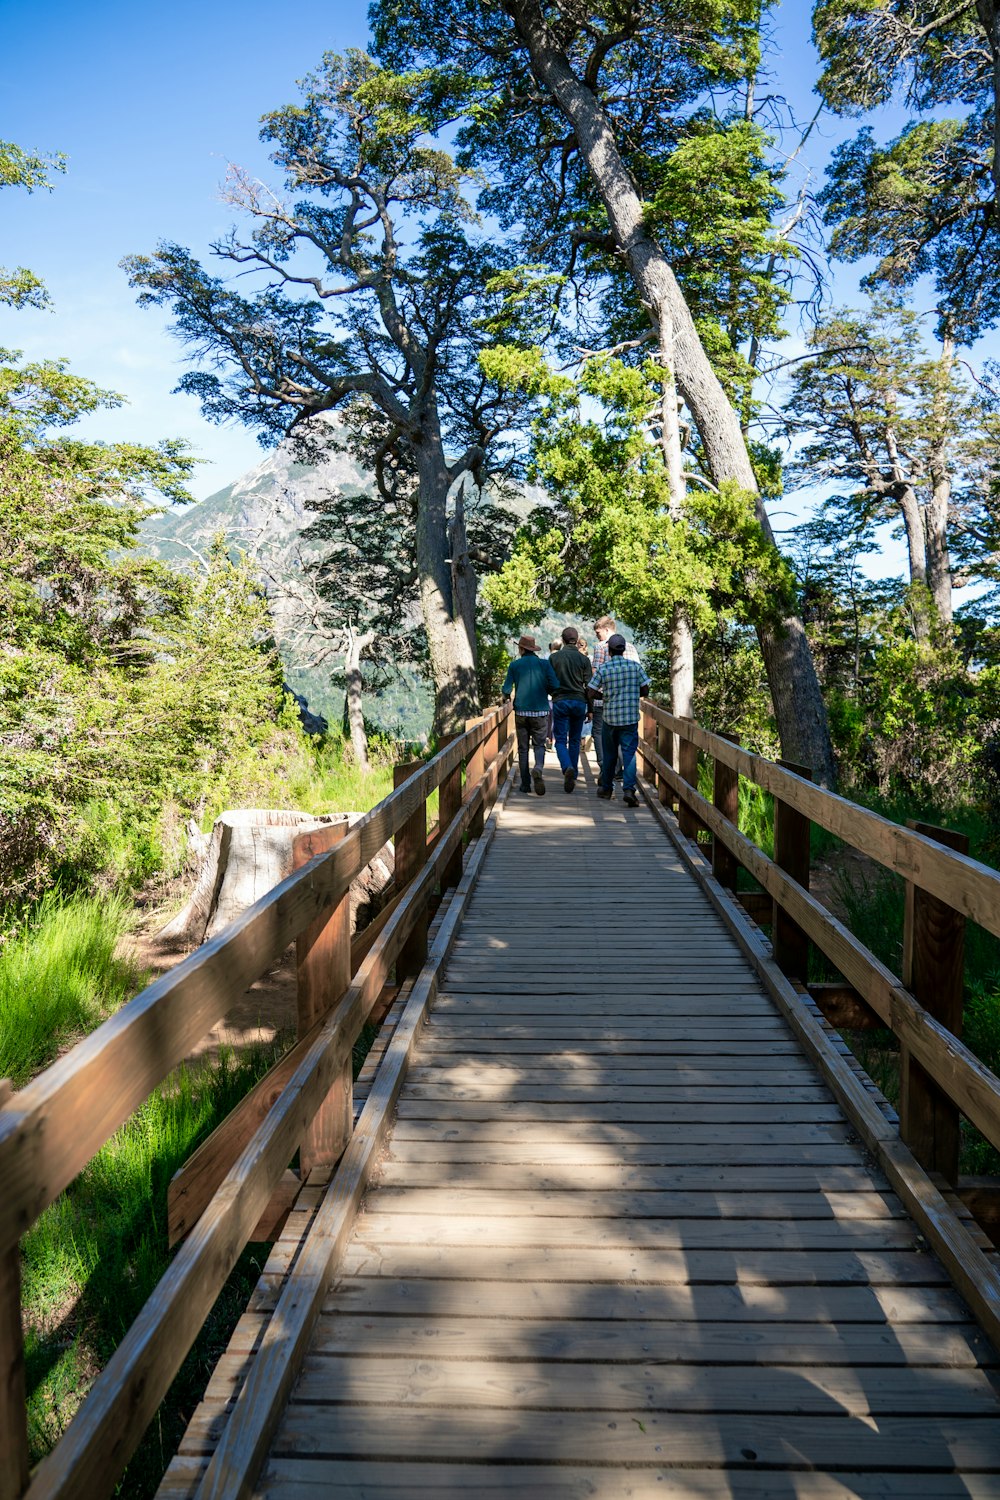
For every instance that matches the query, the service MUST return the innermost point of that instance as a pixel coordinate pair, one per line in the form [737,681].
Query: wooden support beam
[323,974]
[726,798]
[474,768]
[411,855]
[665,750]
[844,1008]
[791,854]
[688,766]
[449,801]
[648,737]
[934,972]
[13,1408]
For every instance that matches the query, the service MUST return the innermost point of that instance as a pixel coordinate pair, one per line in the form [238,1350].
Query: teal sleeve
[508,682]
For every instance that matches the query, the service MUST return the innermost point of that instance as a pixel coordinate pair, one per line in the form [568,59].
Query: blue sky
[150,105]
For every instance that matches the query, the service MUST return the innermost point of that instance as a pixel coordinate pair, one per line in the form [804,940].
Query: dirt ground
[267,1008]
[828,875]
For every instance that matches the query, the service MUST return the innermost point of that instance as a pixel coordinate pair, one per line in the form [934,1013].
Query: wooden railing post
[726,797]
[934,973]
[791,853]
[13,1398]
[411,856]
[323,973]
[475,765]
[665,750]
[649,735]
[688,767]
[449,803]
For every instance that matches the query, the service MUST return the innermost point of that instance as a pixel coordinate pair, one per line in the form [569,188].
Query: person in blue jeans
[621,683]
[569,703]
[530,681]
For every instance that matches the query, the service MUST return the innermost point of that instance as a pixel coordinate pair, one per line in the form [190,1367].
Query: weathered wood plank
[291,1478]
[636,1341]
[739,1441]
[641,1264]
[471,1382]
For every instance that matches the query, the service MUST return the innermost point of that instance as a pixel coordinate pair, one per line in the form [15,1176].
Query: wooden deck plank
[289,1478]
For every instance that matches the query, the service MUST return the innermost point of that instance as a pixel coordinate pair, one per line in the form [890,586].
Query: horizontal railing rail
[941,1078]
[52,1128]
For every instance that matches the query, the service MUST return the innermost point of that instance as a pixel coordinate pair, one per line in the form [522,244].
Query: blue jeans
[568,715]
[624,737]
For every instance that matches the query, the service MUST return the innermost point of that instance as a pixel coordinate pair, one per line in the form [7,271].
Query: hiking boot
[569,779]
[537,778]
[525,785]
[605,793]
[631,798]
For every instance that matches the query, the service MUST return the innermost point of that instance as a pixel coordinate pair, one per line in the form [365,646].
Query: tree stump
[249,852]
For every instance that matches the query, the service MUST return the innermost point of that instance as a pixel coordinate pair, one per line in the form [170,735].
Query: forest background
[532,429]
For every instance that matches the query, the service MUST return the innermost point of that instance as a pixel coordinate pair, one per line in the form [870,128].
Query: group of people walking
[609,687]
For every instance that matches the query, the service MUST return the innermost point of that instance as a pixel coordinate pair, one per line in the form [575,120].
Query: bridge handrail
[960,881]
[53,1127]
[955,882]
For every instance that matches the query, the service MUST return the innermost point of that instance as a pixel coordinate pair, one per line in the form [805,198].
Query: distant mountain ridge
[263,513]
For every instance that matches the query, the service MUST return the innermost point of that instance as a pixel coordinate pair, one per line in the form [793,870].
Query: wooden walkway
[623,1242]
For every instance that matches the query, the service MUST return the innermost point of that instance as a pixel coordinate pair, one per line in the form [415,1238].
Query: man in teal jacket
[530,681]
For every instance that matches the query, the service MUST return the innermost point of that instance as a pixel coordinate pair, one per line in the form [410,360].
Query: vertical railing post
[449,803]
[726,797]
[13,1398]
[791,853]
[323,973]
[934,972]
[649,737]
[491,749]
[688,767]
[411,856]
[475,764]
[665,750]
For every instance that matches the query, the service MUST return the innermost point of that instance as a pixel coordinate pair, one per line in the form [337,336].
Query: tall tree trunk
[452,649]
[936,511]
[795,691]
[681,635]
[354,645]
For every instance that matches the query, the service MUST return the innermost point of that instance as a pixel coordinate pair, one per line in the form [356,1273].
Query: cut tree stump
[249,851]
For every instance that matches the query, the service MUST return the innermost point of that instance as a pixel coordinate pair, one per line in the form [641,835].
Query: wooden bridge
[611,1211]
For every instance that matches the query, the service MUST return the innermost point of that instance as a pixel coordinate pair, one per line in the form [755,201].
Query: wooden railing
[237,1182]
[940,1078]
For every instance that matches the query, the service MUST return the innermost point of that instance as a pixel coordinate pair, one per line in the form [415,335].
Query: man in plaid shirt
[622,682]
[604,629]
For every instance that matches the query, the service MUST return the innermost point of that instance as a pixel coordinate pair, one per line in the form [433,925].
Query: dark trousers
[530,731]
[599,738]
[568,715]
[623,737]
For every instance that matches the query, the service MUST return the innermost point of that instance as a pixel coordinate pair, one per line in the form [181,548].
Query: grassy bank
[61,973]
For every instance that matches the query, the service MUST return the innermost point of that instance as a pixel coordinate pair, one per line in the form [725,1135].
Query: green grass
[93,1258]
[60,976]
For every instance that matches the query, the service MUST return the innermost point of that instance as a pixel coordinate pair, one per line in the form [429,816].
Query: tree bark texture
[354,645]
[681,634]
[451,645]
[939,503]
[795,690]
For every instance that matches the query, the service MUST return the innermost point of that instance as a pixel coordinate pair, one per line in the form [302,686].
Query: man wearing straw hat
[530,681]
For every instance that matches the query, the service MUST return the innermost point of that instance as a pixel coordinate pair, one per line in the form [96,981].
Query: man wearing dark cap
[621,682]
[530,681]
[569,703]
